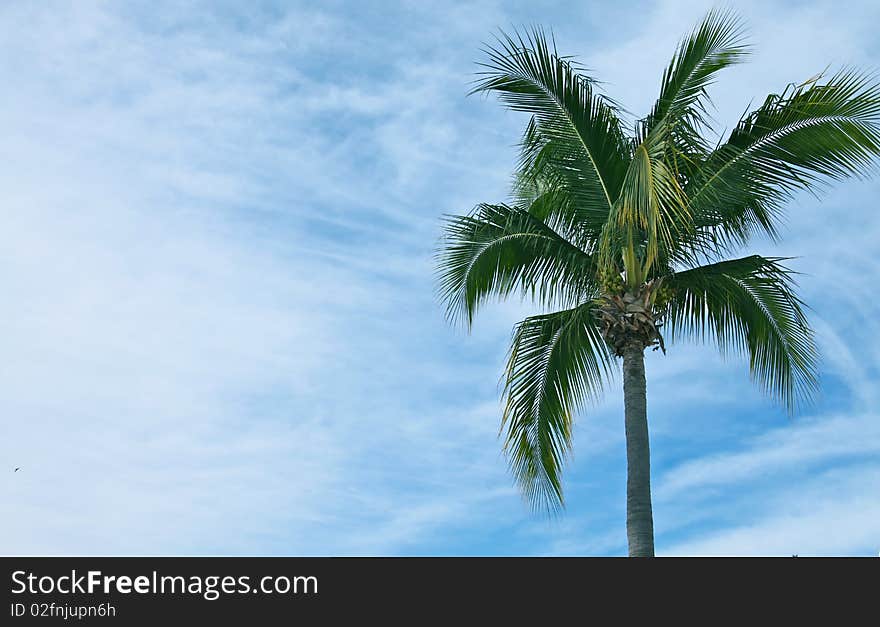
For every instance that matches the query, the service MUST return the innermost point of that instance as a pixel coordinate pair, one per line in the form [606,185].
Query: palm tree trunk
[639,519]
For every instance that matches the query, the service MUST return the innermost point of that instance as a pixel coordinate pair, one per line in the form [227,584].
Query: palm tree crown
[626,234]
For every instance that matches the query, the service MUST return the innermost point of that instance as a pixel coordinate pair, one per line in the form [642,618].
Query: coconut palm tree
[625,238]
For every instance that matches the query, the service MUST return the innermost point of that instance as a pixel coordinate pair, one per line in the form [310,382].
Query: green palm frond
[499,249]
[576,136]
[808,134]
[543,170]
[556,363]
[539,185]
[649,212]
[749,305]
[716,43]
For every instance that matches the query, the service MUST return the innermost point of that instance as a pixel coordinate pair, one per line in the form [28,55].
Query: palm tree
[626,237]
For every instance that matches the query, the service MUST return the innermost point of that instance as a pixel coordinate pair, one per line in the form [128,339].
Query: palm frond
[649,212]
[576,132]
[749,305]
[543,170]
[556,363]
[797,140]
[716,43]
[499,249]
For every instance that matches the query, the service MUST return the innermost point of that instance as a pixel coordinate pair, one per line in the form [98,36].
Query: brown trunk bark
[639,518]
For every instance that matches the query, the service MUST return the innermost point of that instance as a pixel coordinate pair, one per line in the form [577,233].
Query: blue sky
[219,332]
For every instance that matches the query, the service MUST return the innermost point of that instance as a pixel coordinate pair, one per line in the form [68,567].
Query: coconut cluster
[629,318]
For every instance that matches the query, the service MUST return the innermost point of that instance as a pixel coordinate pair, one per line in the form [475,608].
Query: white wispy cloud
[194,362]
[836,513]
[827,439]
